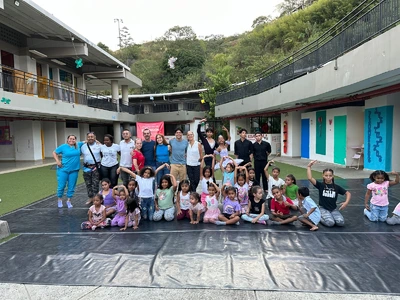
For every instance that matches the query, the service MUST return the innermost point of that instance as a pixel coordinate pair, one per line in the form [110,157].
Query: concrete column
[83,130]
[115,93]
[61,133]
[117,132]
[81,83]
[293,120]
[50,138]
[127,126]
[125,99]
[27,138]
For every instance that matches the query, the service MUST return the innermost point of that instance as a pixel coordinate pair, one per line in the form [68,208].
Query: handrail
[342,37]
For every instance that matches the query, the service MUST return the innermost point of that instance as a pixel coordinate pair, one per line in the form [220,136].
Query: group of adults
[183,156]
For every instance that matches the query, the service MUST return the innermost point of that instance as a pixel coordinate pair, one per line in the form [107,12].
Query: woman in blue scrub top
[67,168]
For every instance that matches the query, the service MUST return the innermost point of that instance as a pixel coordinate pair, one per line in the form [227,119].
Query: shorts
[227,215]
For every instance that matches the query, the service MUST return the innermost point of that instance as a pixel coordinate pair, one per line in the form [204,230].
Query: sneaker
[108,222]
[220,223]
[83,226]
[275,223]
[93,227]
[60,204]
[69,204]
[237,223]
[261,222]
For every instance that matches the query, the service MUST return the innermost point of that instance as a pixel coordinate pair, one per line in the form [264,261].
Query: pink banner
[154,127]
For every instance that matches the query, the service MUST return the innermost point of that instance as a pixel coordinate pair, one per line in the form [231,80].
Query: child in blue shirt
[311,213]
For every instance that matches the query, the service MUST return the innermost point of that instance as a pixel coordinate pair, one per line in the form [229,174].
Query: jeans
[259,166]
[193,173]
[64,177]
[393,220]
[161,173]
[377,213]
[253,216]
[147,205]
[125,178]
[169,214]
[92,182]
[330,218]
[110,173]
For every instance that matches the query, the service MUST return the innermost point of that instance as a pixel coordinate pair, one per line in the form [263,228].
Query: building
[46,95]
[338,99]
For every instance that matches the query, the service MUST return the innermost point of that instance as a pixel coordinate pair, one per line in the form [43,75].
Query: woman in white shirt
[194,155]
[109,160]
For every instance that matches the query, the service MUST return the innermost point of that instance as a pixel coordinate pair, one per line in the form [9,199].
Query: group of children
[242,199]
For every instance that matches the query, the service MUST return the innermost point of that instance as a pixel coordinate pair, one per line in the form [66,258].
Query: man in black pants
[244,148]
[261,150]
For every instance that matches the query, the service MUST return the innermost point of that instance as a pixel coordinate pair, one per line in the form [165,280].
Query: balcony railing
[20,82]
[370,19]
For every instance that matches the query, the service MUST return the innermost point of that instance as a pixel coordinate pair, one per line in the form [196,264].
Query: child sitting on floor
[132,218]
[183,200]
[212,209]
[280,208]
[196,208]
[273,180]
[231,208]
[97,215]
[120,194]
[395,218]
[311,214]
[256,210]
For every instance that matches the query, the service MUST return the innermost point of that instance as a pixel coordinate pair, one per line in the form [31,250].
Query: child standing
[146,183]
[165,199]
[120,194]
[273,180]
[256,210]
[183,200]
[378,209]
[212,209]
[328,194]
[280,208]
[228,172]
[311,214]
[195,208]
[206,177]
[132,218]
[97,215]
[290,189]
[231,207]
[242,187]
[107,195]
[395,218]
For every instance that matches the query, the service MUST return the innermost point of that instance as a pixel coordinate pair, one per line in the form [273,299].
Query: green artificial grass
[11,236]
[21,188]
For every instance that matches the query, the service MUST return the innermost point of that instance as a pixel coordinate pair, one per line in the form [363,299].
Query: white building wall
[83,130]
[7,152]
[394,99]
[233,129]
[294,133]
[27,140]
[50,138]
[61,136]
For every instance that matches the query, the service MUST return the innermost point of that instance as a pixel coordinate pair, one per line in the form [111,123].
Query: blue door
[305,138]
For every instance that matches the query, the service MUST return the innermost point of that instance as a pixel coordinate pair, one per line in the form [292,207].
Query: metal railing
[20,82]
[370,19]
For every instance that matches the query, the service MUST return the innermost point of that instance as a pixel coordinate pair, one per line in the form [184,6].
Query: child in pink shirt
[377,210]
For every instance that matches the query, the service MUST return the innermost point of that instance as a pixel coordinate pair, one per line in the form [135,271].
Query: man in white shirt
[90,166]
[127,145]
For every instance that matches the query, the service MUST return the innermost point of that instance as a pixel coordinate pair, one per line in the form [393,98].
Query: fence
[364,23]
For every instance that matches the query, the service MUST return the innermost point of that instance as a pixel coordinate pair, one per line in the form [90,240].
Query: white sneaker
[69,204]
[60,204]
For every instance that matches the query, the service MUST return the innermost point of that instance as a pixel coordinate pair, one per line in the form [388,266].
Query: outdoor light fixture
[38,53]
[58,62]
[16,2]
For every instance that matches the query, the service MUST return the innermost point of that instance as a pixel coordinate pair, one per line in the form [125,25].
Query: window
[65,76]
[71,124]
[170,128]
[266,124]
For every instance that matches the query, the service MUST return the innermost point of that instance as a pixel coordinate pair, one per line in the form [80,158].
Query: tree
[180,33]
[104,47]
[261,20]
[126,39]
[288,7]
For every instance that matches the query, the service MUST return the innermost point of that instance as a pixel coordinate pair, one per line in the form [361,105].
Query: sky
[150,19]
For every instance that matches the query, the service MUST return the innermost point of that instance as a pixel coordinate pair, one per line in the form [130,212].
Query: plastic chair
[357,157]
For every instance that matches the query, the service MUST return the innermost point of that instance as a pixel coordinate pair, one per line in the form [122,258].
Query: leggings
[110,173]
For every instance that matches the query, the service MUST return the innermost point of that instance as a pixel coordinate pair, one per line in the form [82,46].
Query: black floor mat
[361,257]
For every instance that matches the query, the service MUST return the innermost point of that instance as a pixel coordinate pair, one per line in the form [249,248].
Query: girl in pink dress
[97,215]
[211,204]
